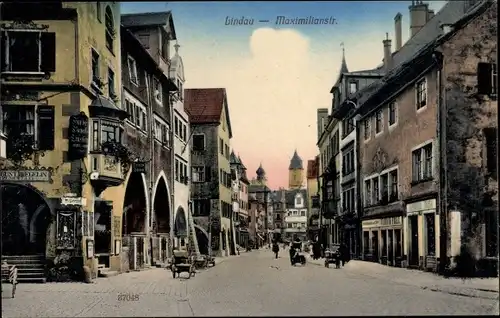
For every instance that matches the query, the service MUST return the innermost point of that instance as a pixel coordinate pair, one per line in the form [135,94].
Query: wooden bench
[9,275]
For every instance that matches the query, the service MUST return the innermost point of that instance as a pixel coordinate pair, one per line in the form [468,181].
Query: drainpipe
[442,193]
[359,202]
[150,214]
[172,174]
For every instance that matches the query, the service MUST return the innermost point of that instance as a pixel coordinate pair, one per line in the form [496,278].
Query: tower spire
[343,66]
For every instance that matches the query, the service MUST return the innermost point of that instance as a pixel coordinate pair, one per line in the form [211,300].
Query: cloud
[274,91]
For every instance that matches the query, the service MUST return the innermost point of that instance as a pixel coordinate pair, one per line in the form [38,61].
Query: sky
[276,76]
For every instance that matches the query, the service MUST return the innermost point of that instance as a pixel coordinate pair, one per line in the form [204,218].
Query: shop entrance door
[413,225]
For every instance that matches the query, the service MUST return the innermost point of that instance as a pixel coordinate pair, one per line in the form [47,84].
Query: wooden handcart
[181,262]
[9,276]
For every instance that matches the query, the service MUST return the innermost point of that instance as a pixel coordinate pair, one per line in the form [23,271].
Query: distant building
[211,175]
[313,197]
[296,214]
[295,172]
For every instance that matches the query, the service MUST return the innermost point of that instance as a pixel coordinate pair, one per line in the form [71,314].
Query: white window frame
[298,201]
[199,173]
[132,70]
[142,125]
[35,122]
[162,137]
[6,55]
[391,126]
[381,112]
[423,158]
[158,92]
[355,85]
[417,84]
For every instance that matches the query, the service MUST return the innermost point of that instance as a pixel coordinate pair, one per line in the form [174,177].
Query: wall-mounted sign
[371,223]
[78,136]
[139,167]
[78,201]
[26,175]
[90,248]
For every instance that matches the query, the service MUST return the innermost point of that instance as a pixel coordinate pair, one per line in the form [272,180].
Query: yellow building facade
[40,93]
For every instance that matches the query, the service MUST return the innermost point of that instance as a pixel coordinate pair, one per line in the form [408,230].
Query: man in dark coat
[345,255]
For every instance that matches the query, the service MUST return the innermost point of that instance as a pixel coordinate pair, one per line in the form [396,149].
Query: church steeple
[295,172]
[343,66]
[296,162]
[261,173]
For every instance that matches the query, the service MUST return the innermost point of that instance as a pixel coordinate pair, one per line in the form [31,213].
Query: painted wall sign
[26,175]
[78,136]
[371,223]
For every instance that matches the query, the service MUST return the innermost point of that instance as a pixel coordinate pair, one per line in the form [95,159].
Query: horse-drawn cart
[181,262]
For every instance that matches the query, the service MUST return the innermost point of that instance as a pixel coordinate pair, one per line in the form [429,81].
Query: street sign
[73,201]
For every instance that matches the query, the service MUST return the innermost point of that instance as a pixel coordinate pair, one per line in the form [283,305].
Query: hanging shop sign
[139,167]
[78,136]
[26,175]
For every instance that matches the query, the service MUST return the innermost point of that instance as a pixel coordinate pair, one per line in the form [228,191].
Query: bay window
[105,131]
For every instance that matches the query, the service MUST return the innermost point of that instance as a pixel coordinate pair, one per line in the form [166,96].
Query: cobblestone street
[250,284]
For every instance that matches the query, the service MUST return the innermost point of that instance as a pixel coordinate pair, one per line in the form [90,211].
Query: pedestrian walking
[345,255]
[276,249]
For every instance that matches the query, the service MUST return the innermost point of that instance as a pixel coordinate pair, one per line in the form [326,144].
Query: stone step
[40,280]
[108,273]
[22,257]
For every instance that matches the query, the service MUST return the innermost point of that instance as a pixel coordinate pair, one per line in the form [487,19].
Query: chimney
[387,53]
[322,120]
[398,31]
[418,16]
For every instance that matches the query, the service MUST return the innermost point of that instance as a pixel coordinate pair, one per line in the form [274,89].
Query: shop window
[431,237]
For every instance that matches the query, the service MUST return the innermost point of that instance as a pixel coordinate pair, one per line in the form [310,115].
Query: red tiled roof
[204,105]
[312,168]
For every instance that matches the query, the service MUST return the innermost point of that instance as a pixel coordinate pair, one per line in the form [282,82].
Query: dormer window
[110,28]
[353,87]
[298,201]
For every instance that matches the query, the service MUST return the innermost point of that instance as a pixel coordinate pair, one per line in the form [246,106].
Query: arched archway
[161,206]
[180,223]
[134,205]
[26,217]
[202,238]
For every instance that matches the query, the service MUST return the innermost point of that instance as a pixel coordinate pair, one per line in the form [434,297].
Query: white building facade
[296,214]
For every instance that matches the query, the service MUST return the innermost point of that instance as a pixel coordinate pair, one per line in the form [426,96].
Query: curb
[483,293]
